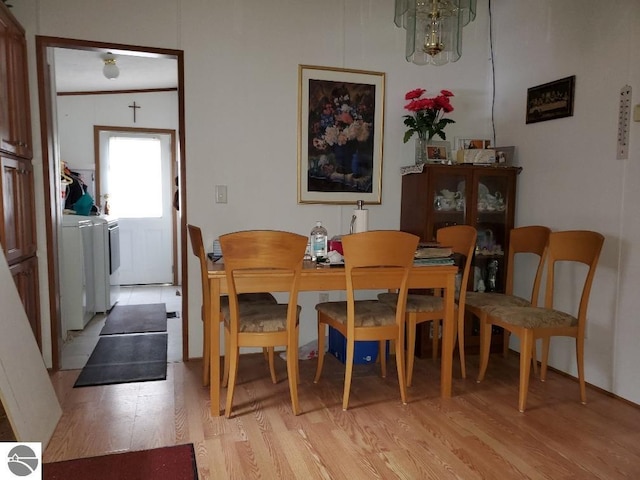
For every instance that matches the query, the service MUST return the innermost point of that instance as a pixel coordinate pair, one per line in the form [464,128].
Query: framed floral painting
[340,129]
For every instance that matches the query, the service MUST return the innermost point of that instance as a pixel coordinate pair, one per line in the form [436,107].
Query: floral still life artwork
[341,135]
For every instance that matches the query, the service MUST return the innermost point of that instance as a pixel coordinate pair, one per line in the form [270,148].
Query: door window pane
[135,177]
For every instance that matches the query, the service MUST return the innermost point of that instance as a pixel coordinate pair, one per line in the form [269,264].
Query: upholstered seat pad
[415,303]
[261,317]
[368,313]
[492,299]
[533,317]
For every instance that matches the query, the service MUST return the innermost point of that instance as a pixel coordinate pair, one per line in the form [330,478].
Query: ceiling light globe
[110,69]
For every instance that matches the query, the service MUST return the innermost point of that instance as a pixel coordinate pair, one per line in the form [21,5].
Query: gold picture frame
[340,132]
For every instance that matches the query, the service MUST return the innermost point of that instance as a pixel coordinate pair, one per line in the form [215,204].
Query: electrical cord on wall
[493,77]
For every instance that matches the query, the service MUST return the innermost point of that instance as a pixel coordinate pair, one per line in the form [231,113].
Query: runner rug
[168,463]
[136,319]
[126,358]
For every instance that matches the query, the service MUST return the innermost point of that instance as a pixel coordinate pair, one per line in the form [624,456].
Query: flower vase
[421,150]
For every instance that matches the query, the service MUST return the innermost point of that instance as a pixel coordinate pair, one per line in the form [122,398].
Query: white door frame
[102,129]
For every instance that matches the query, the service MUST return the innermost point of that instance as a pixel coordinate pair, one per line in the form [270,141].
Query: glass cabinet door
[449,199]
[494,198]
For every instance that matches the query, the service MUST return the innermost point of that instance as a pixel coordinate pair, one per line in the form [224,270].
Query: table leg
[214,355]
[448,331]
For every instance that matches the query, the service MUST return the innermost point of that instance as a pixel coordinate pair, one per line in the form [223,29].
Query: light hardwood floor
[478,434]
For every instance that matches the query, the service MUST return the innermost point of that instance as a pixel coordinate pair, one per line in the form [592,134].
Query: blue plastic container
[365,352]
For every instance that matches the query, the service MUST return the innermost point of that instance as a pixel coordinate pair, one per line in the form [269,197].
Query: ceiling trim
[112,92]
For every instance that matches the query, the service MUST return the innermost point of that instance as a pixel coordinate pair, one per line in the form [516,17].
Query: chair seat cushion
[415,303]
[368,313]
[261,317]
[533,317]
[492,299]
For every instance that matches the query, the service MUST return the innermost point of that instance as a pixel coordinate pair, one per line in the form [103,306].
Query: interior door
[135,173]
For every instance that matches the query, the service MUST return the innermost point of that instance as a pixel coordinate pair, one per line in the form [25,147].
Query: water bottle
[318,239]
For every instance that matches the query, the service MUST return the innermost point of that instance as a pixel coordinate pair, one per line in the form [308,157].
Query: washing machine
[77,272]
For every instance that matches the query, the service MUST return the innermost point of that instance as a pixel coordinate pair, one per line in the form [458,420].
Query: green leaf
[407,135]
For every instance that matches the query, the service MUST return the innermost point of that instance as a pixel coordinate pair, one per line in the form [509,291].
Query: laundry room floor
[79,344]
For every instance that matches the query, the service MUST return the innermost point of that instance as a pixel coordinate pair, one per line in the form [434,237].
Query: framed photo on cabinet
[340,130]
[438,151]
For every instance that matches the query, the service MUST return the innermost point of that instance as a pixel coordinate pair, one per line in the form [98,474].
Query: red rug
[168,463]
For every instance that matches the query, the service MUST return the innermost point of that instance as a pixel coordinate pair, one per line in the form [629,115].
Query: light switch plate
[624,116]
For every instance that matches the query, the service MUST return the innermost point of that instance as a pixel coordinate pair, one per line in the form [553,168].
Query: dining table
[325,278]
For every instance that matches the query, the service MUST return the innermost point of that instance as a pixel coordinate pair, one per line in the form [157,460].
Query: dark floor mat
[136,319]
[126,358]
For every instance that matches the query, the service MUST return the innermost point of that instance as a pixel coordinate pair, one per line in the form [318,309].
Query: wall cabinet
[15,126]
[479,195]
[17,228]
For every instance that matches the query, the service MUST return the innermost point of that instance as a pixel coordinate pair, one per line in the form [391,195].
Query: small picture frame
[438,151]
[472,143]
[505,155]
[551,100]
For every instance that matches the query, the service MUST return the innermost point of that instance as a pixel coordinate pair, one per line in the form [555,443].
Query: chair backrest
[581,246]
[274,252]
[462,240]
[529,239]
[381,256]
[197,246]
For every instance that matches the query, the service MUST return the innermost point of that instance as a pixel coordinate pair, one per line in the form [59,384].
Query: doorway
[51,167]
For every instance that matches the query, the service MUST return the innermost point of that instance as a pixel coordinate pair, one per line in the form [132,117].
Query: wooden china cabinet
[462,194]
[17,230]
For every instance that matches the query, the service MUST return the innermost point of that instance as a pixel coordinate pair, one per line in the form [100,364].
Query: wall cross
[134,107]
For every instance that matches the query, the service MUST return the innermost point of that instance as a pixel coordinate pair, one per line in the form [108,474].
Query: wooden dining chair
[265,325]
[197,246]
[522,240]
[430,308]
[375,259]
[530,323]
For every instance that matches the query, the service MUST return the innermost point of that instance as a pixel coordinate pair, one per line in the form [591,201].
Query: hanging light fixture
[110,69]
[434,28]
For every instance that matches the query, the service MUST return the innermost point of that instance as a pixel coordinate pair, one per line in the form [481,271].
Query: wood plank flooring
[478,434]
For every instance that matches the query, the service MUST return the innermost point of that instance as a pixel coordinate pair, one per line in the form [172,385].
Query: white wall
[77,115]
[571,178]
